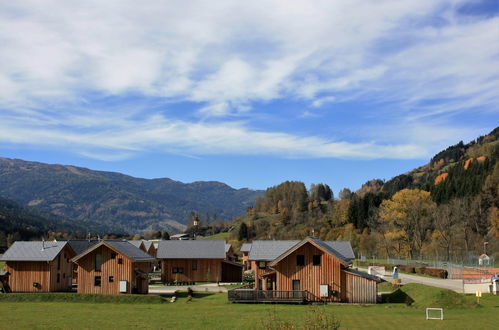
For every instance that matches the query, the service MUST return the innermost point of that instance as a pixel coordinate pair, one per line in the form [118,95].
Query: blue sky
[250,94]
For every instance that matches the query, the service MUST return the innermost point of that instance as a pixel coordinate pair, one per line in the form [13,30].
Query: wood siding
[358,289]
[258,272]
[208,270]
[110,268]
[231,272]
[311,277]
[24,273]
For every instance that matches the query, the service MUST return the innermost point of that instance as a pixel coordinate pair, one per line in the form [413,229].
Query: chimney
[43,244]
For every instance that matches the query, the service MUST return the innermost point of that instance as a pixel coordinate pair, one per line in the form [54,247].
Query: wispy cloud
[424,57]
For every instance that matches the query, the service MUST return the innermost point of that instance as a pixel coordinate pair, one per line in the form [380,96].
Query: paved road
[455,285]
[163,289]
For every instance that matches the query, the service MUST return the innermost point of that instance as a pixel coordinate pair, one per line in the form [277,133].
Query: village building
[113,267]
[245,249]
[197,261]
[307,270]
[39,266]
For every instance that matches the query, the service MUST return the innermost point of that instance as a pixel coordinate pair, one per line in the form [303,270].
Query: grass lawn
[213,311]
[219,236]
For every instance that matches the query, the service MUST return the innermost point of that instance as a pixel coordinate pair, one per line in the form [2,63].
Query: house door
[296,288]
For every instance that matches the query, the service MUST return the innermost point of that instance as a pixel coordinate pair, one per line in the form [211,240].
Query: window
[262,264]
[113,255]
[97,280]
[316,260]
[63,275]
[120,261]
[111,279]
[98,262]
[177,270]
[58,262]
[300,260]
[194,265]
[58,278]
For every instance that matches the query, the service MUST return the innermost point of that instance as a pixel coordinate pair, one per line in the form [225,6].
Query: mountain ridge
[129,203]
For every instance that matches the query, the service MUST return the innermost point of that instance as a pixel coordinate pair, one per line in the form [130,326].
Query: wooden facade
[191,270]
[310,269]
[358,289]
[309,277]
[42,276]
[231,272]
[114,268]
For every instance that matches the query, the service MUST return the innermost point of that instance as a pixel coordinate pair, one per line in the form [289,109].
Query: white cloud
[228,56]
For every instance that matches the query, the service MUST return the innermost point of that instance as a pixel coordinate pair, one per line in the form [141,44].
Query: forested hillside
[446,209]
[19,222]
[122,202]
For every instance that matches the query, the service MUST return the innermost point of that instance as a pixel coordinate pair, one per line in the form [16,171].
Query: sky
[250,93]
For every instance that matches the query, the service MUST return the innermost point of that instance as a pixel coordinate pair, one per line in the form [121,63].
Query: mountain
[119,201]
[458,171]
[26,223]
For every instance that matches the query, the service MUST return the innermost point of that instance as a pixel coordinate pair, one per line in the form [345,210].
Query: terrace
[270,296]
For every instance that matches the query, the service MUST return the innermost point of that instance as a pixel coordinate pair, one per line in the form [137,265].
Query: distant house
[39,266]
[245,249]
[483,260]
[197,261]
[307,270]
[181,237]
[113,267]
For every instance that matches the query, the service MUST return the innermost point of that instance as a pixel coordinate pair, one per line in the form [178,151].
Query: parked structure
[307,270]
[197,261]
[113,267]
[39,266]
[181,237]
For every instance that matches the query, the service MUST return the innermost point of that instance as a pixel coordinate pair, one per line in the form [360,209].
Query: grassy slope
[214,312]
[219,236]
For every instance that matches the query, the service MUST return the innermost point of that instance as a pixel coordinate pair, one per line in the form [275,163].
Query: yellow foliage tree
[407,219]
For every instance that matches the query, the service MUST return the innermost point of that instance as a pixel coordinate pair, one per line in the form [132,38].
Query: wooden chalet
[245,249]
[310,270]
[197,261]
[113,267]
[39,266]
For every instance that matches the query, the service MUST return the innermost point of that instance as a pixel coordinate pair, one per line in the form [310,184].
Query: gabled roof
[80,245]
[33,251]
[227,247]
[123,247]
[147,245]
[136,243]
[343,247]
[317,243]
[246,247]
[269,250]
[191,249]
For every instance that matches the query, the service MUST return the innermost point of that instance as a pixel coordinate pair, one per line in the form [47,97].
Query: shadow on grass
[184,294]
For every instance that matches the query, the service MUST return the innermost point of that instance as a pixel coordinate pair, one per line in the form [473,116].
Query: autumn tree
[408,214]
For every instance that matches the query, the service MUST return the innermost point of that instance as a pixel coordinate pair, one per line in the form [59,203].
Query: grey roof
[180,235]
[343,247]
[227,247]
[270,250]
[80,245]
[136,243]
[128,250]
[246,247]
[147,245]
[131,251]
[33,251]
[327,247]
[191,249]
[362,274]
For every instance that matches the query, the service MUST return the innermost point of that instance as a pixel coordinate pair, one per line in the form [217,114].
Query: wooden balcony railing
[270,296]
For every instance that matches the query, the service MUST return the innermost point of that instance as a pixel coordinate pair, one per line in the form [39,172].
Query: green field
[213,311]
[219,236]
